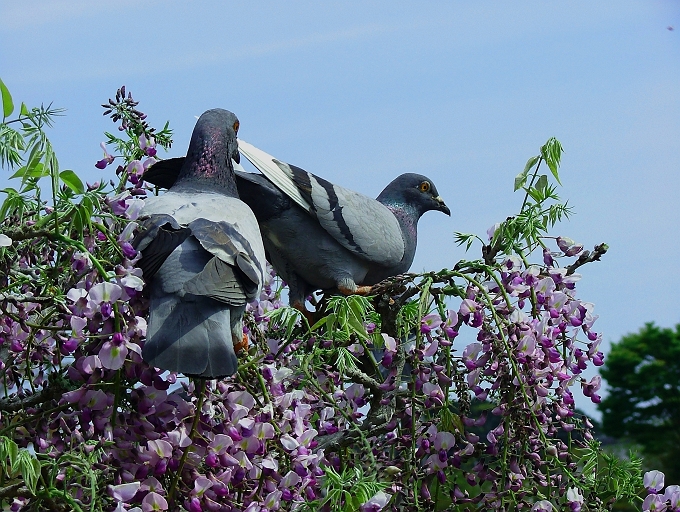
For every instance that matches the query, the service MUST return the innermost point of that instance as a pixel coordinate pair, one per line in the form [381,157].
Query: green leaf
[33,483]
[535,194]
[20,172]
[23,111]
[77,222]
[285,318]
[542,182]
[7,103]
[551,152]
[11,144]
[10,450]
[37,170]
[319,323]
[355,318]
[29,467]
[72,181]
[521,178]
[35,156]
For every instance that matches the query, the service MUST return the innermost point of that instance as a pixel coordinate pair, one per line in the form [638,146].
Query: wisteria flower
[113,355]
[376,503]
[654,503]
[108,159]
[575,499]
[672,495]
[147,144]
[124,492]
[153,502]
[542,506]
[430,322]
[653,480]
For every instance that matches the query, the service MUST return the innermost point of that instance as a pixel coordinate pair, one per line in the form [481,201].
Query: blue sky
[359,92]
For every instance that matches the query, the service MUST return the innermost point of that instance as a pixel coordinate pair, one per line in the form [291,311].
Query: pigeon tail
[188,335]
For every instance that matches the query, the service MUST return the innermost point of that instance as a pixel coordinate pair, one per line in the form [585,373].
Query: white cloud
[195,58]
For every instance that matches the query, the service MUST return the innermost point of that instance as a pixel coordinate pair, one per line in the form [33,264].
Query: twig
[192,436]
[27,233]
[21,298]
[50,392]
[587,257]
[360,377]
[15,491]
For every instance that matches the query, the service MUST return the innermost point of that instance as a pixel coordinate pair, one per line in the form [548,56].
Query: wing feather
[359,223]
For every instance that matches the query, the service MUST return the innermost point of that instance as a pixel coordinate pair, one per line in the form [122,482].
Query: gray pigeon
[322,236]
[202,257]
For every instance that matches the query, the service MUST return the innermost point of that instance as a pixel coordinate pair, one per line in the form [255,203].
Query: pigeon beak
[442,206]
[237,157]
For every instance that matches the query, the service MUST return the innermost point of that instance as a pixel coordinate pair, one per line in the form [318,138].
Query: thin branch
[22,298]
[17,490]
[28,233]
[50,392]
[587,257]
[360,377]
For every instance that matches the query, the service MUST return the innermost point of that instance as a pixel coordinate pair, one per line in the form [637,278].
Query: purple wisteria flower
[574,499]
[653,481]
[107,160]
[148,145]
[376,503]
[654,503]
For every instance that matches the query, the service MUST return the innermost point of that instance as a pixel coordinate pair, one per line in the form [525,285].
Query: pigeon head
[413,192]
[213,146]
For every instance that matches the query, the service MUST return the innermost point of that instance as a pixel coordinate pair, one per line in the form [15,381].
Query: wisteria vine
[450,390]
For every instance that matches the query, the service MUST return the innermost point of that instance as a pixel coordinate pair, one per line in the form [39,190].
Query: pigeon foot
[242,346]
[359,290]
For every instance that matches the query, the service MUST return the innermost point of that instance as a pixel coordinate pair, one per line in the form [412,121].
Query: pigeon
[202,257]
[319,235]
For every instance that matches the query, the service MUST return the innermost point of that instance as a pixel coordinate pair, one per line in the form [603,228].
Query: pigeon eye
[424,186]
[236,125]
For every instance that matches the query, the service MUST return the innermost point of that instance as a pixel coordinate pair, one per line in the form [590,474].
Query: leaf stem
[192,435]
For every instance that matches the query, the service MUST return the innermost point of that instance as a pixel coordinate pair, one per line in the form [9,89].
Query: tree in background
[643,373]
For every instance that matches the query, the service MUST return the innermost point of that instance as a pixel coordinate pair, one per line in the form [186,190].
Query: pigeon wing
[164,173]
[224,226]
[359,223]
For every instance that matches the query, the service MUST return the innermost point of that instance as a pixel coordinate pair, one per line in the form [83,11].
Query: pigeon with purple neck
[202,257]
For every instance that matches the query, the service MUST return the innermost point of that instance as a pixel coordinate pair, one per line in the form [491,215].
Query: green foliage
[40,476]
[551,152]
[285,319]
[345,317]
[643,374]
[348,490]
[7,103]
[18,465]
[611,478]
[540,210]
[11,146]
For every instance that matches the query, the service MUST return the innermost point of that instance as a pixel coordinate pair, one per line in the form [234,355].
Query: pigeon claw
[359,290]
[242,346]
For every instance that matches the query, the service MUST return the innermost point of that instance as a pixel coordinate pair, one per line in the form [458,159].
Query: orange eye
[236,125]
[424,186]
